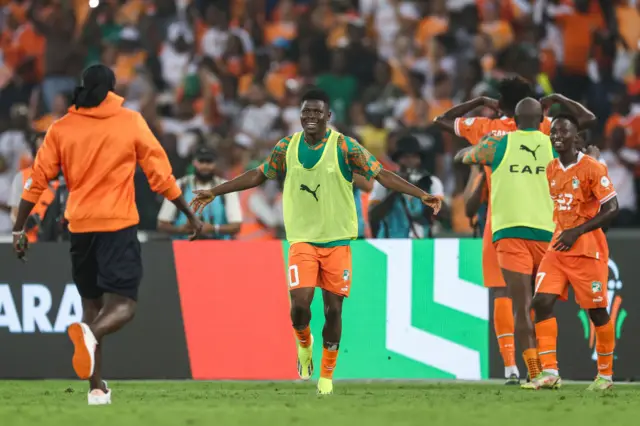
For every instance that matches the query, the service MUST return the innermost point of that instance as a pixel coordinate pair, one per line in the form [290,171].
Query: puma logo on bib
[526,148]
[305,188]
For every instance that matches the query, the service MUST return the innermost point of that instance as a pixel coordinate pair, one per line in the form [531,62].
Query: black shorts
[106,262]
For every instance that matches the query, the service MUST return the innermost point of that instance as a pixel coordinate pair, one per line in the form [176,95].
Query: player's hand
[201,199]
[491,103]
[460,155]
[434,202]
[21,245]
[548,101]
[592,151]
[567,239]
[197,225]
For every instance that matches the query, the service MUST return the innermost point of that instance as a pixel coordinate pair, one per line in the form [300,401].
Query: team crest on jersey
[596,287]
[605,182]
[28,183]
[575,183]
[553,183]
[469,121]
[345,275]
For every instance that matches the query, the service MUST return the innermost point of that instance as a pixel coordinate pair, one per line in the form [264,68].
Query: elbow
[234,228]
[588,120]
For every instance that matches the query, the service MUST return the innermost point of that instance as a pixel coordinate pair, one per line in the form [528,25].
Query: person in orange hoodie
[98,145]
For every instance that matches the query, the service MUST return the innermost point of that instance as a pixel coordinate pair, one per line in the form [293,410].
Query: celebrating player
[98,146]
[521,211]
[512,90]
[584,201]
[320,220]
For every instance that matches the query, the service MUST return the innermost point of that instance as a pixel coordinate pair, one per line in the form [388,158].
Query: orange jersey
[98,150]
[474,129]
[578,191]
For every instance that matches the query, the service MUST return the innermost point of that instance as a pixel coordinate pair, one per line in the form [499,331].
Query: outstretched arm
[482,153]
[273,167]
[447,120]
[394,182]
[585,117]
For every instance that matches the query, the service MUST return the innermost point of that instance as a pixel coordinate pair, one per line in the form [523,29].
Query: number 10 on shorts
[294,278]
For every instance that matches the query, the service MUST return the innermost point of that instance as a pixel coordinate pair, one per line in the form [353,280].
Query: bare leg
[90,310]
[332,331]
[301,299]
[116,312]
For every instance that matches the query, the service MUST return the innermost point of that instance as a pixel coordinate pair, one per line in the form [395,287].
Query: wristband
[216,229]
[18,233]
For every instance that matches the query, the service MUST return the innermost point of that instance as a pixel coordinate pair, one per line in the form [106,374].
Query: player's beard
[203,177]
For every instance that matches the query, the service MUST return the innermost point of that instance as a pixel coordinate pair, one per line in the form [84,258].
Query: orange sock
[547,336]
[303,336]
[533,362]
[329,358]
[503,325]
[605,344]
[532,314]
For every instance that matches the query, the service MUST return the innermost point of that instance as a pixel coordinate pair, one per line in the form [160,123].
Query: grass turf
[58,403]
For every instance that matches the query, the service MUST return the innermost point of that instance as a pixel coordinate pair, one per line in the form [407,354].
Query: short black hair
[315,94]
[568,117]
[440,78]
[512,90]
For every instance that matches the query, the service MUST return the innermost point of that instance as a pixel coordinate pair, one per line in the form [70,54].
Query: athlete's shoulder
[589,164]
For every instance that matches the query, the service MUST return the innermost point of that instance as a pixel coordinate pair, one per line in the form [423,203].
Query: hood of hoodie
[109,107]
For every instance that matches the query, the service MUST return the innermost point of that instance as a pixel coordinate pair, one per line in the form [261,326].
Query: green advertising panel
[417,310]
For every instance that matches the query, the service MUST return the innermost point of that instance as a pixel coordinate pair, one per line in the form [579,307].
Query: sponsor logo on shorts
[27,184]
[617,313]
[596,287]
[346,275]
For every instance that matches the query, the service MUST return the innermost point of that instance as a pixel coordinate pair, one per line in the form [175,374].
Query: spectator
[61,61]
[176,54]
[259,116]
[222,218]
[621,163]
[340,86]
[394,215]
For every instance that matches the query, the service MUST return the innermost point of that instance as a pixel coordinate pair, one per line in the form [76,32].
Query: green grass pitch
[64,403]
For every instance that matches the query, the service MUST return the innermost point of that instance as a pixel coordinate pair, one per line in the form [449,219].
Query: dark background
[152,346]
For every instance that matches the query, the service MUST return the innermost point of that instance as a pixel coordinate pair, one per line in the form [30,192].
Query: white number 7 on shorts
[539,279]
[294,279]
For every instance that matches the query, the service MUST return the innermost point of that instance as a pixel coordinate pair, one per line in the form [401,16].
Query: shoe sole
[82,363]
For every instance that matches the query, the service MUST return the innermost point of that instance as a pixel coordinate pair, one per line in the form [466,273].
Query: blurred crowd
[219,81]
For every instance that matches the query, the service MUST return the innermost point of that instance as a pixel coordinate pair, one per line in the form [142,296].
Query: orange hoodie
[98,150]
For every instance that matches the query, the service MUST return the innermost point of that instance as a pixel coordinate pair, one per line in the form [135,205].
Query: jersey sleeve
[485,152]
[359,159]
[600,183]
[276,164]
[472,128]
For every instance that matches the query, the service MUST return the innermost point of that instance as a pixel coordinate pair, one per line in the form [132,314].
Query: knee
[599,316]
[543,306]
[128,309]
[90,309]
[332,313]
[300,310]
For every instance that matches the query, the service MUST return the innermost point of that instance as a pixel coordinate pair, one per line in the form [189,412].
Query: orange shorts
[327,268]
[491,273]
[587,276]
[518,255]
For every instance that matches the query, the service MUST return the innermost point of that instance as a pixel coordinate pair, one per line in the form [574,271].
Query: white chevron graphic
[401,336]
[452,291]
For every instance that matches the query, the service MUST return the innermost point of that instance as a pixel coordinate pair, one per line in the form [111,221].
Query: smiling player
[584,201]
[319,167]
